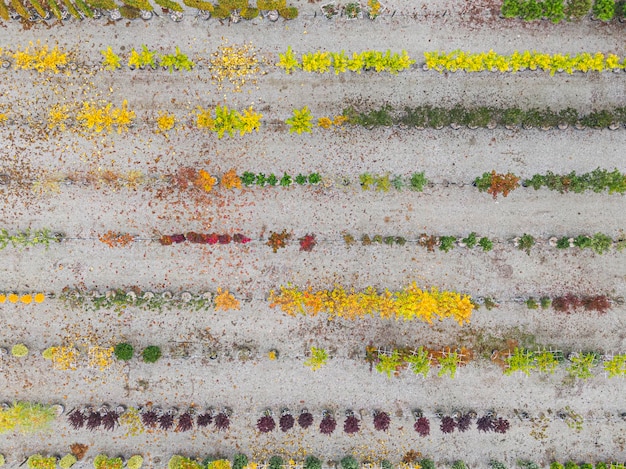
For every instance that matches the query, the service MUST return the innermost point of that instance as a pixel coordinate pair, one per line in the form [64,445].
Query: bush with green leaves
[275,462]
[124,351]
[240,461]
[493,464]
[486,244]
[300,121]
[525,243]
[151,354]
[577,9]
[446,243]
[67,461]
[349,462]
[29,238]
[598,180]
[458,465]
[311,462]
[582,364]
[604,10]
[417,182]
[427,464]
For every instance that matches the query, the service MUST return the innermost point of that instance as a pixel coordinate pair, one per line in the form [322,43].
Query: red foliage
[94,420]
[212,238]
[76,419]
[224,239]
[501,425]
[185,422]
[447,424]
[265,424]
[178,238]
[599,303]
[204,420]
[381,421]
[193,237]
[328,425]
[241,239]
[307,242]
[485,423]
[286,422]
[149,418]
[568,303]
[222,422]
[422,426]
[110,420]
[351,425]
[463,422]
[166,421]
[165,240]
[305,419]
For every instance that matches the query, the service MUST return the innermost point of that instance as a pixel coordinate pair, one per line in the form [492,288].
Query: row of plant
[26,417]
[411,303]
[101,461]
[29,238]
[34,10]
[492,62]
[340,62]
[353,10]
[559,10]
[24,298]
[120,299]
[436,117]
[420,361]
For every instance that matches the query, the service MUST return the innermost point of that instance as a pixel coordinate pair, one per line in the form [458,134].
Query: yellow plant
[249,121]
[3,298]
[318,358]
[13,298]
[230,180]
[111,60]
[19,350]
[205,181]
[57,115]
[408,304]
[165,121]
[272,355]
[204,119]
[219,464]
[100,357]
[324,123]
[340,62]
[319,62]
[26,417]
[338,121]
[374,6]
[224,300]
[132,421]
[104,118]
[26,299]
[40,58]
[3,117]
[122,117]
[288,61]
[39,298]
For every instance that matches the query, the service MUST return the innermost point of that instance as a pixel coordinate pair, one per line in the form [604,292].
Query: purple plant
[305,419]
[76,419]
[149,418]
[110,420]
[328,425]
[204,420]
[222,422]
[381,421]
[463,422]
[351,425]
[286,422]
[447,424]
[501,425]
[485,423]
[94,420]
[265,424]
[422,426]
[166,421]
[185,422]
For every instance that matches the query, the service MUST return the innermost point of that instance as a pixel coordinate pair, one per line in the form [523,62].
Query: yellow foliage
[249,121]
[111,60]
[63,358]
[104,118]
[100,357]
[26,299]
[3,118]
[39,298]
[338,121]
[13,298]
[409,304]
[205,181]
[40,58]
[230,180]
[204,119]
[165,121]
[225,301]
[57,115]
[324,122]
[132,421]
[122,117]
[219,464]
[236,64]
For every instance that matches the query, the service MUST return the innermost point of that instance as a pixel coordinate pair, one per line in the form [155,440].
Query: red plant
[265,424]
[485,423]
[185,422]
[110,420]
[463,422]
[566,304]
[212,238]
[224,239]
[501,425]
[381,421]
[94,420]
[599,303]
[351,425]
[222,422]
[204,420]
[149,418]
[286,422]
[447,424]
[305,419]
[422,426]
[76,419]
[193,237]
[241,239]
[328,425]
[178,238]
[307,243]
[166,421]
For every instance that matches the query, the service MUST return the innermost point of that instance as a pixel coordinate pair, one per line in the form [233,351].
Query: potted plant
[329,10]
[353,10]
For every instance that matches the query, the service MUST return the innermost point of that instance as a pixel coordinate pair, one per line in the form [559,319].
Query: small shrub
[447,424]
[471,240]
[239,461]
[76,419]
[151,354]
[446,243]
[166,421]
[485,423]
[501,425]
[204,419]
[381,421]
[493,464]
[149,418]
[222,421]
[494,183]
[305,419]
[314,178]
[526,242]
[463,422]
[418,181]
[286,422]
[67,461]
[486,244]
[545,302]
[110,420]
[328,425]
[311,462]
[266,424]
[275,462]
[307,242]
[135,462]
[563,243]
[531,303]
[124,351]
[94,420]
[458,465]
[185,423]
[422,427]
[19,350]
[427,464]
[349,462]
[351,425]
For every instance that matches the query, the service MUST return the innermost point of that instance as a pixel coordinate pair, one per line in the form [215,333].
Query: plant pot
[552,241]
[545,128]
[272,15]
[563,126]
[614,126]
[186,297]
[425,67]
[58,409]
[472,126]
[167,296]
[235,17]
[354,13]
[510,126]
[204,15]
[146,15]
[176,16]
[329,10]
[492,125]
[579,126]
[455,126]
[115,15]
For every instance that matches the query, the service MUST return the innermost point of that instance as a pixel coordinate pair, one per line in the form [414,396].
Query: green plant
[604,10]
[486,244]
[135,462]
[260,180]
[349,462]
[301,121]
[315,178]
[389,364]
[124,351]
[37,461]
[178,60]
[366,180]
[383,184]
[446,243]
[458,465]
[2,460]
[470,241]
[248,178]
[493,464]
[427,464]
[601,243]
[545,302]
[68,461]
[531,303]
[577,9]
[19,350]
[151,354]
[554,10]
[286,180]
[490,303]
[523,464]
[275,462]
[419,361]
[318,358]
[272,180]
[239,461]
[581,365]
[615,366]
[520,360]
[301,179]
[418,181]
[531,10]
[563,243]
[397,183]
[547,360]
[525,243]
[311,462]
[556,465]
[449,363]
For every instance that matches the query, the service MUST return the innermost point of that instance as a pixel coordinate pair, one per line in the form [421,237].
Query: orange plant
[230,180]
[224,300]
[496,183]
[205,181]
[113,239]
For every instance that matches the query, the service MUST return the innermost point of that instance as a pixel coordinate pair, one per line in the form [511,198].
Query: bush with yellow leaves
[409,304]
[40,58]
[99,118]
[323,61]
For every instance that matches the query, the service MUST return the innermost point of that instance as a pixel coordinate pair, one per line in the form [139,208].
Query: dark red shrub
[212,238]
[307,243]
[166,421]
[305,419]
[351,425]
[149,418]
[194,237]
[110,420]
[328,425]
[485,423]
[422,426]
[241,239]
[463,422]
[381,421]
[286,422]
[599,303]
[76,419]
[185,422]
[501,425]
[204,420]
[447,424]
[265,424]
[224,239]
[222,422]
[178,238]
[94,420]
